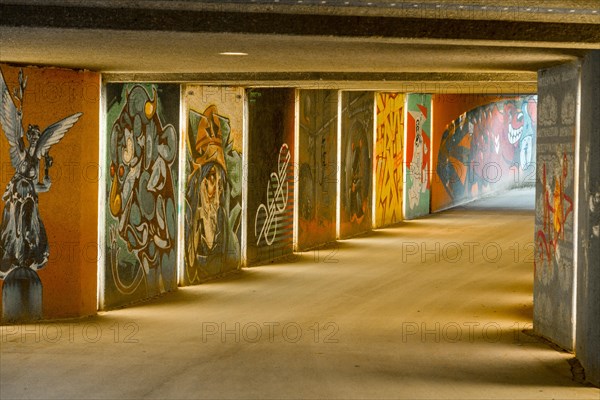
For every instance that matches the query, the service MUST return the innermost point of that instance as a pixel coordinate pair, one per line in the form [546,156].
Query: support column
[587,348]
[553,291]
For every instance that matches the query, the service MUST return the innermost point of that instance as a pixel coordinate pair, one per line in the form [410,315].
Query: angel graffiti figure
[23,240]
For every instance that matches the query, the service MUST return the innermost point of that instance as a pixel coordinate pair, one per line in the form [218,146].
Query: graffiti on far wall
[490,148]
[141,223]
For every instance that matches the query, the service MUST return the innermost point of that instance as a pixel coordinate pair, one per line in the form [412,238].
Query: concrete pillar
[270,182]
[553,289]
[317,167]
[389,158]
[66,202]
[356,163]
[212,224]
[587,348]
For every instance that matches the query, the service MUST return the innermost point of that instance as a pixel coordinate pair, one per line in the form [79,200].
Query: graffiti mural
[487,149]
[141,222]
[356,163]
[268,214]
[389,158]
[555,195]
[24,245]
[213,194]
[40,233]
[557,207]
[270,174]
[417,189]
[318,168]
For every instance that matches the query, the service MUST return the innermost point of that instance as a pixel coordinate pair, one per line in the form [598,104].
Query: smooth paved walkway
[432,308]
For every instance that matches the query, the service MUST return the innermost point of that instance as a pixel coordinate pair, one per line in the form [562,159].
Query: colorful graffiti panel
[389,150]
[48,148]
[555,194]
[270,181]
[356,163]
[486,150]
[213,185]
[142,124]
[317,178]
[417,189]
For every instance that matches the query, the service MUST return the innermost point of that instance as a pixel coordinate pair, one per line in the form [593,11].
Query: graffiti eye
[112,170]
[121,171]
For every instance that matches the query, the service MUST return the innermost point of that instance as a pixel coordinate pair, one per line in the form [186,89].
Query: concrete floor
[382,316]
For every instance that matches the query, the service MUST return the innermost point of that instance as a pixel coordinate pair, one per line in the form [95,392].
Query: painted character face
[33,135]
[515,122]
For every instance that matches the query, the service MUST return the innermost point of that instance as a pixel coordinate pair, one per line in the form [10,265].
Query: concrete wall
[68,210]
[270,174]
[555,193]
[587,347]
[389,158]
[356,163]
[213,136]
[142,125]
[486,146]
[417,188]
[317,163]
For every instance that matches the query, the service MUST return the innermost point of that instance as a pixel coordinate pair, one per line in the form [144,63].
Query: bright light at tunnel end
[233,53]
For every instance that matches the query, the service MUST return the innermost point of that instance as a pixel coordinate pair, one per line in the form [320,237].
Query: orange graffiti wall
[69,209]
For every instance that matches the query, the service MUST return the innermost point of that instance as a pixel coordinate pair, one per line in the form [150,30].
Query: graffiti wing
[11,124]
[54,133]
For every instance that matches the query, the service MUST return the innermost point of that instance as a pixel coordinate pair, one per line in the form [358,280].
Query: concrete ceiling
[385,45]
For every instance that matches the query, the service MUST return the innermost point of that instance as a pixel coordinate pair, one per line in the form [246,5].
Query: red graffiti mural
[557,208]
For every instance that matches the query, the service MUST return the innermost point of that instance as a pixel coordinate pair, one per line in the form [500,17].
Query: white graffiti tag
[277,198]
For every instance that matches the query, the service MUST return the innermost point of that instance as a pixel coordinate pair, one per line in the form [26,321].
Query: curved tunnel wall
[484,150]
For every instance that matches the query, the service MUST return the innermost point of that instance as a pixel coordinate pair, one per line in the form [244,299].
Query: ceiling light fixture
[233,53]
